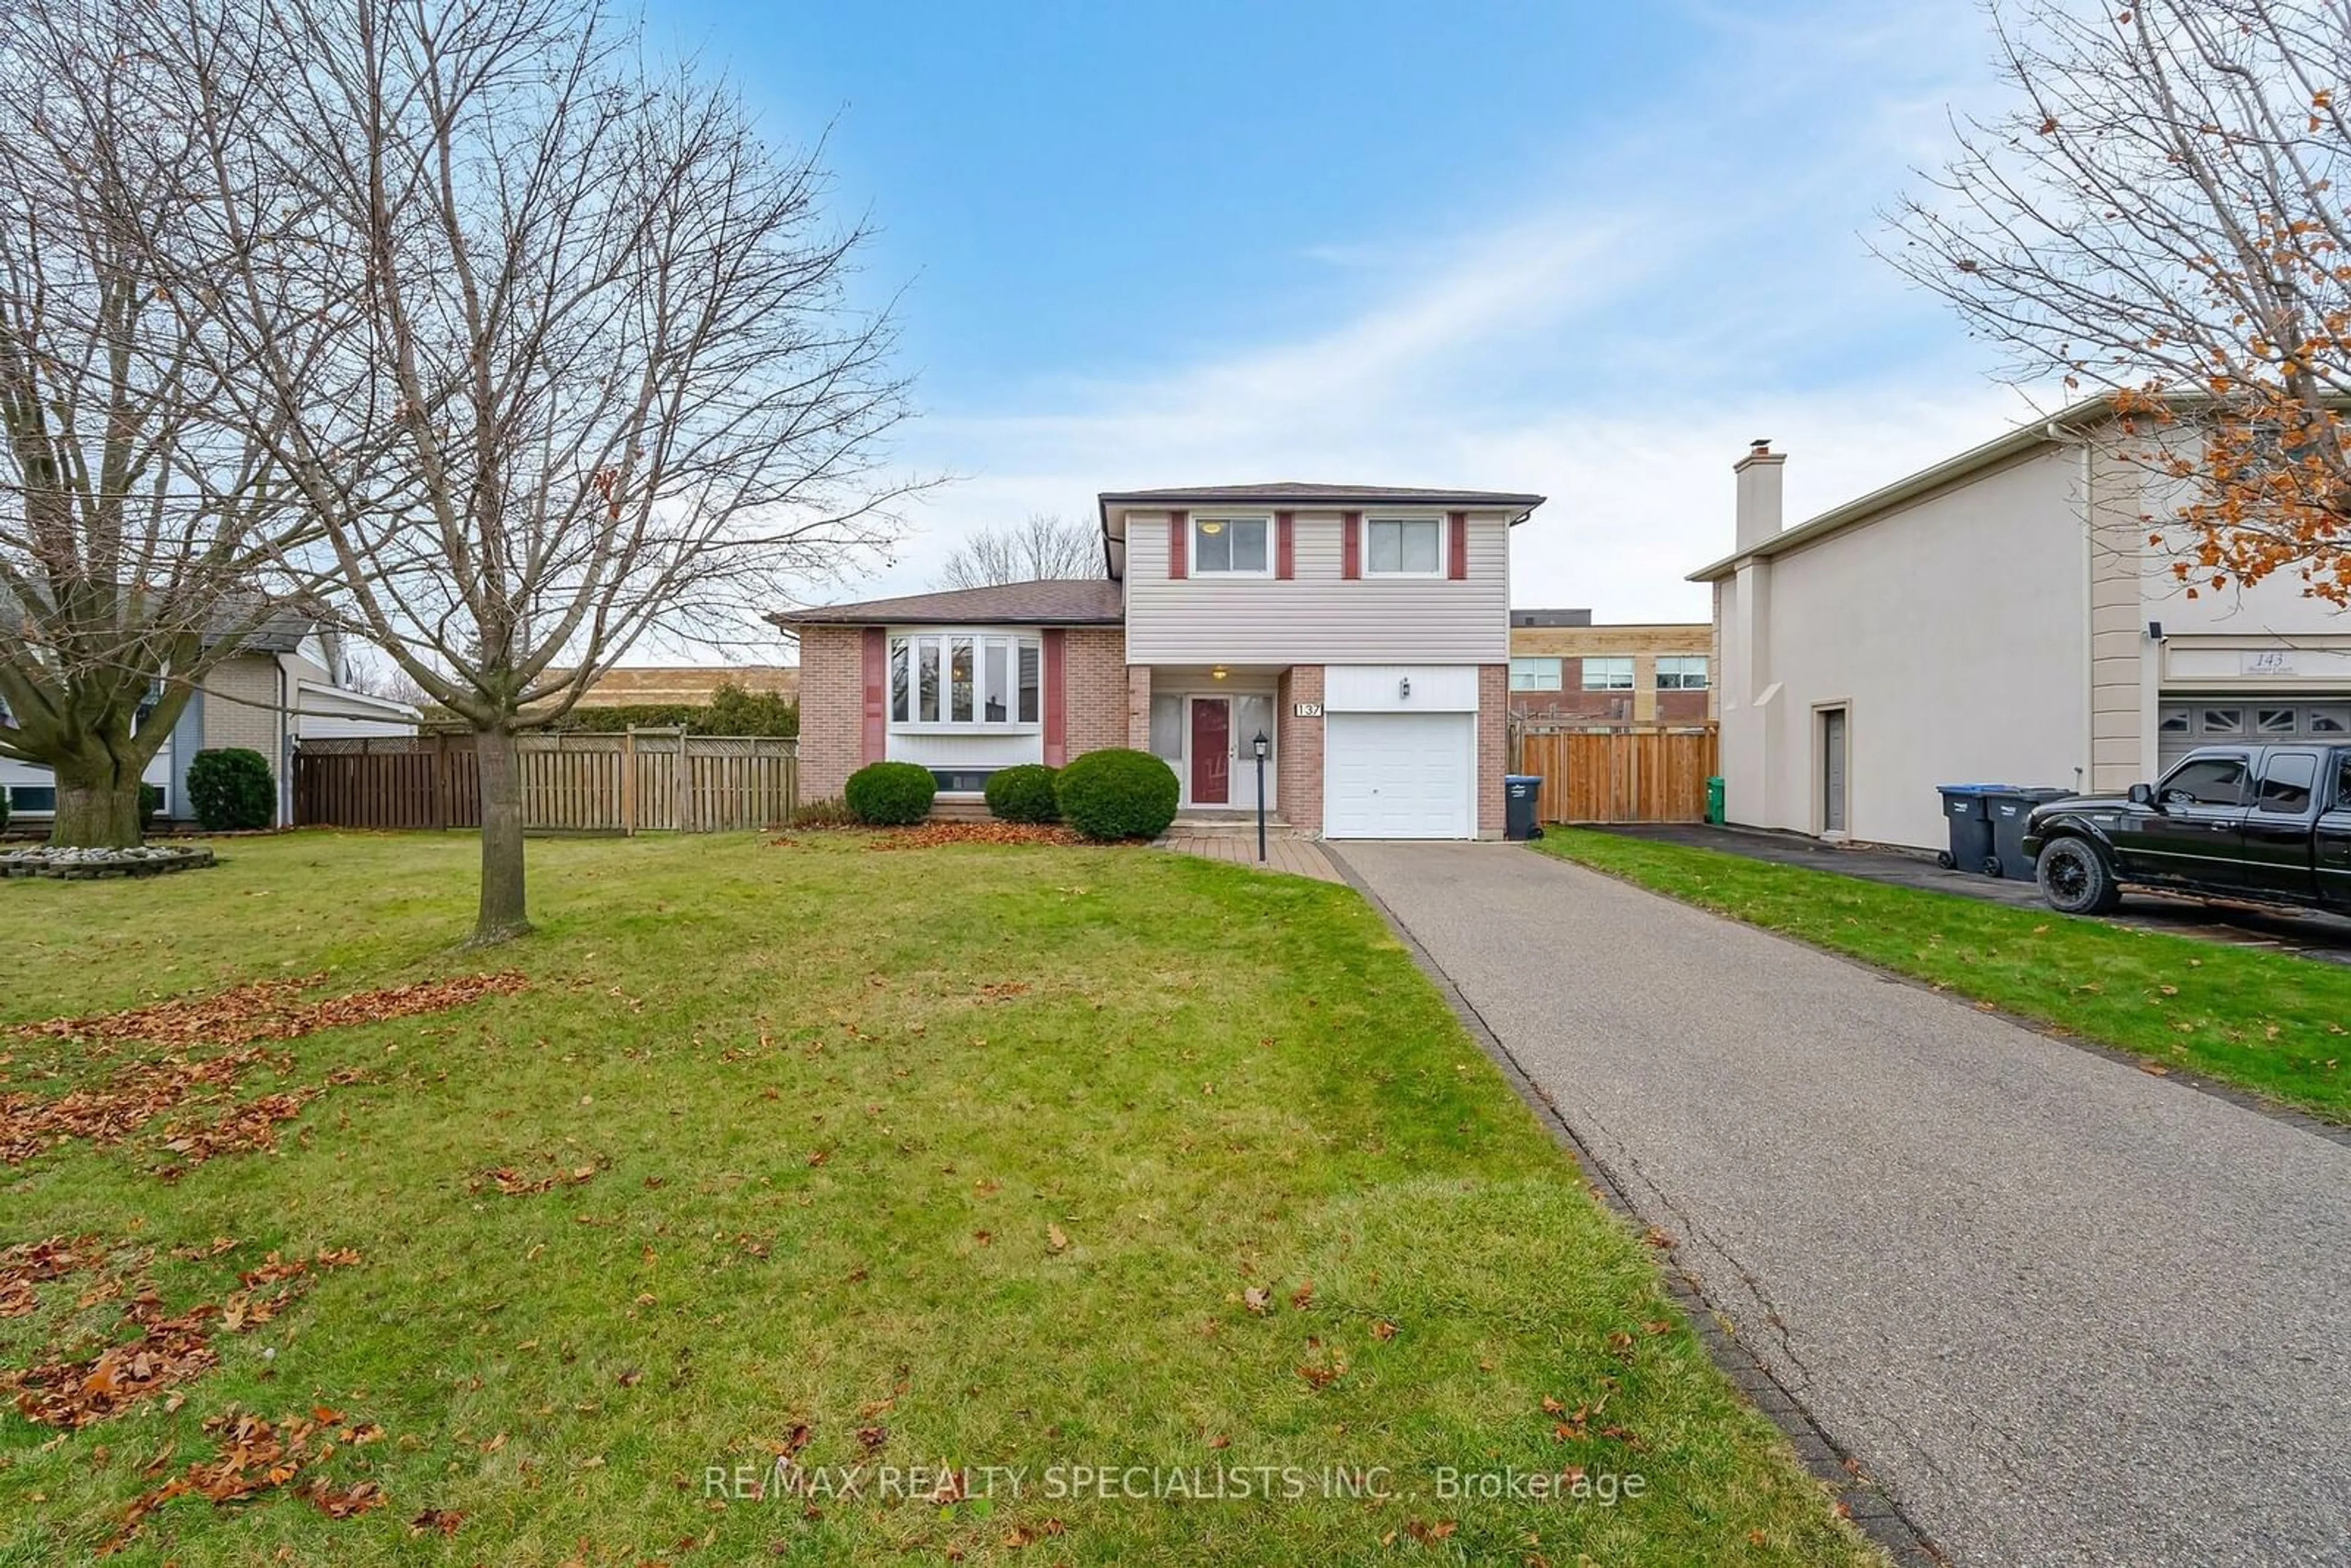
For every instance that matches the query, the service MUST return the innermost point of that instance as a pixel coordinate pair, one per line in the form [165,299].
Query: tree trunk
[503,915]
[98,806]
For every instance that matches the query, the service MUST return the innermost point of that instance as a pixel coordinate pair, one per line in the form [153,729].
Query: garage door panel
[1398,775]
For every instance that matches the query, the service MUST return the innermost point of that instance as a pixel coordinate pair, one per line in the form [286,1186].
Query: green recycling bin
[1714,801]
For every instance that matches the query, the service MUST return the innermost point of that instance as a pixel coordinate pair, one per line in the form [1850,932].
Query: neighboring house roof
[687,685]
[1049,601]
[354,697]
[2056,430]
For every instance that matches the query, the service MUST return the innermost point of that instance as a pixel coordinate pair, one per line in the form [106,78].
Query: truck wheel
[2076,879]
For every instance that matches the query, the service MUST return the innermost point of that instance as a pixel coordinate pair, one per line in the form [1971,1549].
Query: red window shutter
[1350,544]
[1285,548]
[1457,546]
[1180,541]
[1057,698]
[876,741]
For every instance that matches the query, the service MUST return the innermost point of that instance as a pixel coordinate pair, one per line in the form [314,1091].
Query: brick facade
[1297,763]
[1097,708]
[244,707]
[1138,707]
[1493,745]
[832,708]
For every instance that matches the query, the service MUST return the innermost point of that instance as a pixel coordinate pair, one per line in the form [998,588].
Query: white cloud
[1695,281]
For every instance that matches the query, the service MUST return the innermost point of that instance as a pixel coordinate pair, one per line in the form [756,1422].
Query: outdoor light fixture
[1403,687]
[2155,631]
[1261,745]
[1218,672]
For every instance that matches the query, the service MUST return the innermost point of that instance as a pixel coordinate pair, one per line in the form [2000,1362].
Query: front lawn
[2267,1021]
[1131,1172]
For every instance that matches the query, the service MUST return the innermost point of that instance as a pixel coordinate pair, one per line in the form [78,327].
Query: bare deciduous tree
[141,536]
[2161,217]
[555,342]
[1046,545]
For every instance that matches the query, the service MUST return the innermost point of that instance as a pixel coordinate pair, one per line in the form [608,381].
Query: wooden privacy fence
[1622,773]
[644,781]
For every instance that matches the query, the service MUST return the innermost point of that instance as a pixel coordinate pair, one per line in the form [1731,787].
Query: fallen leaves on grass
[138,1093]
[256,1455]
[931,835]
[31,1263]
[270,1010]
[167,1349]
[512,1182]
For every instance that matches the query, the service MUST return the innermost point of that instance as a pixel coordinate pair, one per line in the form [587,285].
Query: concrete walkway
[2065,1311]
[1284,852]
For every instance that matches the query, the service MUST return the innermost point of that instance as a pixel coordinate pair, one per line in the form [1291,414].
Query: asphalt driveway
[2067,1312]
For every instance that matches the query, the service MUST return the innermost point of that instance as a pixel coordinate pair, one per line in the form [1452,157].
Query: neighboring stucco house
[2000,617]
[1564,669]
[1364,631]
[286,681]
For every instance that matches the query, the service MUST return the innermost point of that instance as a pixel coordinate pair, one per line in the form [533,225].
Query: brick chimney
[1759,493]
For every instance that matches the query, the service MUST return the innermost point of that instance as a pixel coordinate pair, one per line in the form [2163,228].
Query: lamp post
[1258,746]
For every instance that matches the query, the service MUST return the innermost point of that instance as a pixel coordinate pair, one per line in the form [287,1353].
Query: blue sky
[1588,250]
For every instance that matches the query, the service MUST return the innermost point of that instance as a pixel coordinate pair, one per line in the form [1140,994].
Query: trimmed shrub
[3,808]
[150,805]
[1117,794]
[230,789]
[890,794]
[1023,794]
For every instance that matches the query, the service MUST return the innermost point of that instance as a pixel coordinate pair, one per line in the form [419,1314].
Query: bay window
[975,678]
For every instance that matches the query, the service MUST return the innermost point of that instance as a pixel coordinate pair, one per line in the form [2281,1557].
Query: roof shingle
[1049,601]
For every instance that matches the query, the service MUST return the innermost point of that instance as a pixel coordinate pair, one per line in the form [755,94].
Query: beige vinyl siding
[1318,616]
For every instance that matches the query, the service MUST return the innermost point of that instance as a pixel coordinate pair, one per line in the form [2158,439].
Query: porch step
[1198,822]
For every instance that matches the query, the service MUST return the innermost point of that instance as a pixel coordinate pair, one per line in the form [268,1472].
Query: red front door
[1212,761]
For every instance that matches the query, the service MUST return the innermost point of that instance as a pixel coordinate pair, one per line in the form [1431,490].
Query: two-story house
[1363,632]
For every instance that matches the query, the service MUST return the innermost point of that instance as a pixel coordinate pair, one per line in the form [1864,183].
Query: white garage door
[1399,775]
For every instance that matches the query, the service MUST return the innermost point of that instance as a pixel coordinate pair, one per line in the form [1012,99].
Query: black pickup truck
[2269,824]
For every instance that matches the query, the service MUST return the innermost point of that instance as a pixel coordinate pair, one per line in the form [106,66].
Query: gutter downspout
[285,749]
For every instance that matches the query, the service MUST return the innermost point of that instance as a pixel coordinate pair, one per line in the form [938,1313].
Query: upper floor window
[1229,544]
[965,677]
[1409,546]
[1682,673]
[1608,674]
[1534,674]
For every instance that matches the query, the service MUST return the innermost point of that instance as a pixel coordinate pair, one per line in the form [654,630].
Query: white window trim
[1558,663]
[1444,544]
[1705,673]
[1019,637]
[1632,676]
[1272,545]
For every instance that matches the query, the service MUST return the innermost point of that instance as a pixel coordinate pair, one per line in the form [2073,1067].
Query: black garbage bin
[2007,808]
[1522,794]
[1970,825]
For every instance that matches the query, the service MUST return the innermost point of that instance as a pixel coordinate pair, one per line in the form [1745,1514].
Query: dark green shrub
[150,805]
[230,789]
[890,794]
[1117,794]
[3,808]
[1023,794]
